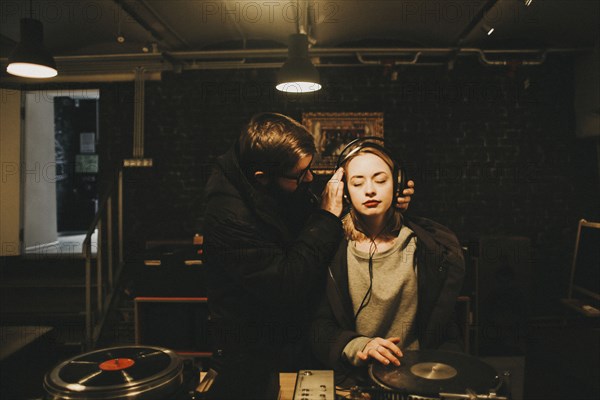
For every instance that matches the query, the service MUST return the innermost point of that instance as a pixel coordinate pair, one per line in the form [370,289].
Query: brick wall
[492,150]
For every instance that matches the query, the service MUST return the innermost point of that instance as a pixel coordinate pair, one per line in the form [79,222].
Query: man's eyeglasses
[298,178]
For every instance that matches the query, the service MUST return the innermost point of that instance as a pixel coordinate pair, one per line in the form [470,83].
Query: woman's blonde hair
[354,227]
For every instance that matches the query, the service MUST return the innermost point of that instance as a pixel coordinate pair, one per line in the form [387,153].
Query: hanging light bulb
[298,74]
[30,59]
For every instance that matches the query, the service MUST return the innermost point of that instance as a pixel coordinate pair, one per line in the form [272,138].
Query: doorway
[61,169]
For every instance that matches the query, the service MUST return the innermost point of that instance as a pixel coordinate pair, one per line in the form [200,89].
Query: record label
[116,364]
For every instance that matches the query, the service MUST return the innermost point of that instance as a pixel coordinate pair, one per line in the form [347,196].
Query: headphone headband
[367,139]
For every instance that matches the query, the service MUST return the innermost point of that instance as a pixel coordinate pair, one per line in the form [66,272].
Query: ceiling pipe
[282,53]
[124,64]
[414,60]
[351,51]
[483,58]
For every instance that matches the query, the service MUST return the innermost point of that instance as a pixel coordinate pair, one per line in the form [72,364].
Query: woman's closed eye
[380,177]
[357,182]
[360,182]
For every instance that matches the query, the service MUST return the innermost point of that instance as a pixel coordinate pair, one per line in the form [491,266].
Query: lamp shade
[298,74]
[30,59]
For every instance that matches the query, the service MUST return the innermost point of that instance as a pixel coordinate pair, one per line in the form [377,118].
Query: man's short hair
[273,143]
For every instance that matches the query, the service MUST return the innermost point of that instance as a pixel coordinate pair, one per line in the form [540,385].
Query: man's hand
[332,197]
[403,202]
[383,350]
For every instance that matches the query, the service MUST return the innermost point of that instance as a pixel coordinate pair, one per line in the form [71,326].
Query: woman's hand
[403,202]
[383,350]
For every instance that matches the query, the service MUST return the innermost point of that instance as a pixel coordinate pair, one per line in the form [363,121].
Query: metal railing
[107,276]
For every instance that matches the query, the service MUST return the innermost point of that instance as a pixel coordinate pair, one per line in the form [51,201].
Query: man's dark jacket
[266,265]
[440,273]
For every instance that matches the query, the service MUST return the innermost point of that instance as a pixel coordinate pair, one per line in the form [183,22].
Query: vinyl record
[431,372]
[132,372]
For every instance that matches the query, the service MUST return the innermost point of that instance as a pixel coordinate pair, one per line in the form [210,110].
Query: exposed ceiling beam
[475,21]
[129,9]
[165,24]
[150,20]
[472,24]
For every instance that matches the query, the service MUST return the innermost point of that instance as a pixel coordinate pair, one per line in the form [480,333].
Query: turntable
[133,372]
[433,374]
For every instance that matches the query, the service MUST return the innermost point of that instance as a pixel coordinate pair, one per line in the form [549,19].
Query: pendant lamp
[30,59]
[298,74]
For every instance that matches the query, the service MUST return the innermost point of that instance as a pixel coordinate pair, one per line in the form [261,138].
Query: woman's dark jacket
[440,272]
[266,263]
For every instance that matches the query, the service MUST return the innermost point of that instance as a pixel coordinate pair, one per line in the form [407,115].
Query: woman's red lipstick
[371,203]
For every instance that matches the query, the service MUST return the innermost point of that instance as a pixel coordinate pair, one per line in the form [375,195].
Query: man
[268,241]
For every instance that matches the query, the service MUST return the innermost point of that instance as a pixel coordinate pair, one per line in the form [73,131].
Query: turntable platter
[434,371]
[430,372]
[139,372]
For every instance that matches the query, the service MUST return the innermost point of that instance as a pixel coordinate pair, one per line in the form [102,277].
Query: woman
[394,281]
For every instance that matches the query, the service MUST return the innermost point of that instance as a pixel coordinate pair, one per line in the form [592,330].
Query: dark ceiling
[111,35]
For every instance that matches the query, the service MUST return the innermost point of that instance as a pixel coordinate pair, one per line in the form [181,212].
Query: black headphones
[369,142]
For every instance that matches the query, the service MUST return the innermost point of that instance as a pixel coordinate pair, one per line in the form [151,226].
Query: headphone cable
[372,250]
[367,298]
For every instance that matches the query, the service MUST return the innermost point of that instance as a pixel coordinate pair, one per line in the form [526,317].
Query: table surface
[287,383]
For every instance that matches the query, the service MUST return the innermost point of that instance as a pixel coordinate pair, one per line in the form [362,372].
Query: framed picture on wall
[334,130]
